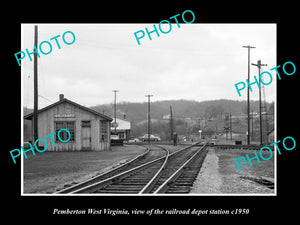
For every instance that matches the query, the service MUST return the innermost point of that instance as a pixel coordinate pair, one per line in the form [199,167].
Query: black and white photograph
[131,112]
[170,115]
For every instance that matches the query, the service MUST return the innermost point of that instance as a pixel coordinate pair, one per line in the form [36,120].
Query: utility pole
[226,127]
[35,84]
[149,119]
[252,117]
[171,123]
[115,110]
[248,93]
[230,122]
[259,65]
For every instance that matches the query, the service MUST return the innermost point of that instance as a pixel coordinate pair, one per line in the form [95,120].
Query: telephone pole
[252,117]
[149,119]
[171,123]
[115,110]
[35,84]
[259,65]
[248,93]
[230,122]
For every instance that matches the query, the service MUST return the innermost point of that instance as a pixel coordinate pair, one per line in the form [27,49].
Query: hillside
[137,112]
[190,116]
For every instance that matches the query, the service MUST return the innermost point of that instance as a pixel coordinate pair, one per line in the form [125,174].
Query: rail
[148,187]
[103,175]
[179,171]
[121,175]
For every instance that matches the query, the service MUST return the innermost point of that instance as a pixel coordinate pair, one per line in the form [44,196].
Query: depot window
[70,125]
[103,130]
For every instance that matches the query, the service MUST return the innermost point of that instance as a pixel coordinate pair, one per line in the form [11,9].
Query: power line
[46,98]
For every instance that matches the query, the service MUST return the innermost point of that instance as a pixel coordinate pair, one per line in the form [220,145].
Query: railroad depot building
[89,129]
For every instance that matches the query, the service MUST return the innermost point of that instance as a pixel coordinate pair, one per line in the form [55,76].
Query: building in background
[123,130]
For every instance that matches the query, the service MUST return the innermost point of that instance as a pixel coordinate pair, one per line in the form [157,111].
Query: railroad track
[175,162]
[240,147]
[147,156]
[138,160]
[146,177]
[180,181]
[219,146]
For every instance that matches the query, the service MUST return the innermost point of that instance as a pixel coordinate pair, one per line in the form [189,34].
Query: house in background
[122,130]
[89,129]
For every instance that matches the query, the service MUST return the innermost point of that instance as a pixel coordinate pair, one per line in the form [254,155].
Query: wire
[46,98]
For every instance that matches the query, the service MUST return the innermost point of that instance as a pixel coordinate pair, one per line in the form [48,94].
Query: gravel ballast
[219,174]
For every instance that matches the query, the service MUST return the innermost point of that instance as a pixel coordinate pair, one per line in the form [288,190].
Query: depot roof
[63,100]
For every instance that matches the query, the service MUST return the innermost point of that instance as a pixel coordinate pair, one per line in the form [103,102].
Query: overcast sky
[195,62]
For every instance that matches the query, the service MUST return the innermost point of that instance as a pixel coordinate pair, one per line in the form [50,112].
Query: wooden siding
[69,112]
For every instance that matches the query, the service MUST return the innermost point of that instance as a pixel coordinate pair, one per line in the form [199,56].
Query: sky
[195,62]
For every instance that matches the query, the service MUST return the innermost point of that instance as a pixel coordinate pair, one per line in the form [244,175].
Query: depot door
[86,135]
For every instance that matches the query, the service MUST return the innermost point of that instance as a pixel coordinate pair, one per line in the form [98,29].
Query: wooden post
[35,83]
[171,123]
[248,94]
[149,118]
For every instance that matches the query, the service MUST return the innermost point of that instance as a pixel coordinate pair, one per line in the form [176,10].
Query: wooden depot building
[89,129]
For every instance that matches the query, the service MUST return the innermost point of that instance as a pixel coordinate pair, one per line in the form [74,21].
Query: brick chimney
[61,97]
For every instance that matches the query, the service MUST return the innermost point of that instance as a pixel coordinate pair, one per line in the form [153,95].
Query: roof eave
[30,115]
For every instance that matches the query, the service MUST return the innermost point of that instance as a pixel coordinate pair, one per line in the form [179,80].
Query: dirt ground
[219,174]
[48,171]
